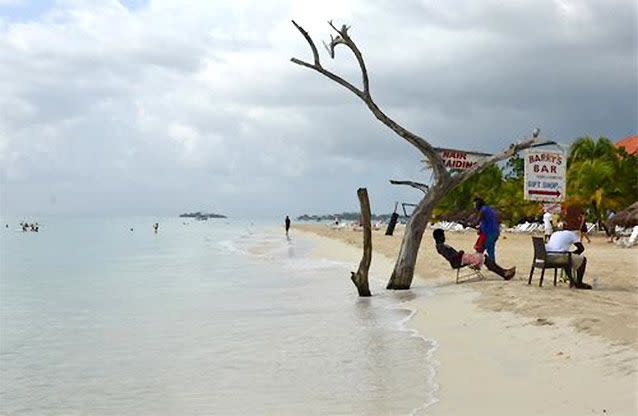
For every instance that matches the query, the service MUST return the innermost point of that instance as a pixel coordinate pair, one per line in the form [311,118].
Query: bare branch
[336,78]
[344,39]
[330,50]
[509,152]
[440,173]
[420,186]
[305,34]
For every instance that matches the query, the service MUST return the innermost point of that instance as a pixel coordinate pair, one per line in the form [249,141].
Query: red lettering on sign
[454,155]
[546,157]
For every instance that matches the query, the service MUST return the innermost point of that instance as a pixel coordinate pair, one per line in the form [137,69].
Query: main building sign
[545,175]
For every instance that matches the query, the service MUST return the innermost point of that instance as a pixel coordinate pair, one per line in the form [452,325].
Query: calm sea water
[204,318]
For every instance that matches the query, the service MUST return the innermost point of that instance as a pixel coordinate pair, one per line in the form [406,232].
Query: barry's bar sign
[460,159]
[545,175]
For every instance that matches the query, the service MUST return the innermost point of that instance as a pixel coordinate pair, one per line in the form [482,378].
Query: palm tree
[626,178]
[591,182]
[486,184]
[585,148]
[597,176]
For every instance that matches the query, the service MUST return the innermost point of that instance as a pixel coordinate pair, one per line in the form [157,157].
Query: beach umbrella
[626,218]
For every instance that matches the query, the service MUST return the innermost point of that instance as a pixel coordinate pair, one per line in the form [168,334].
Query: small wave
[430,359]
[231,247]
[307,263]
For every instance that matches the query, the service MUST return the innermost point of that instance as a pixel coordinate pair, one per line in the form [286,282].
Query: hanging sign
[545,175]
[460,159]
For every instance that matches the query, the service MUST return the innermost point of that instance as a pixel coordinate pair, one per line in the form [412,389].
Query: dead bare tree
[443,181]
[360,278]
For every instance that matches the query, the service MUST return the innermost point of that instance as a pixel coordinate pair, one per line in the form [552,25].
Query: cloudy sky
[156,107]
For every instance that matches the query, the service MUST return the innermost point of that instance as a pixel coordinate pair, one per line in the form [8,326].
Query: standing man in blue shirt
[489,228]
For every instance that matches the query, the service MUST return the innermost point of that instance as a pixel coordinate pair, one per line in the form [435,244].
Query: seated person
[458,259]
[560,241]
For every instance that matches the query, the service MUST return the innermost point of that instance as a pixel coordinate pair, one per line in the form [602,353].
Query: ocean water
[204,318]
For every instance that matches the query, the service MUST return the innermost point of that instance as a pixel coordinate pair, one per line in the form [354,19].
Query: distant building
[630,143]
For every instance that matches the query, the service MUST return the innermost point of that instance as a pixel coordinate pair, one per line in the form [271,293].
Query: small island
[201,216]
[344,216]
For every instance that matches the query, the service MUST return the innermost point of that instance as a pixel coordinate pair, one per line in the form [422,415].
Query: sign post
[545,175]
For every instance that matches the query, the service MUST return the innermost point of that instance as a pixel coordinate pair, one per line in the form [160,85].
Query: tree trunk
[403,272]
[360,278]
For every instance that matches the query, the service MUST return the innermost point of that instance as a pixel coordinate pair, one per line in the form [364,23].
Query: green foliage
[599,177]
[585,148]
[515,167]
[460,198]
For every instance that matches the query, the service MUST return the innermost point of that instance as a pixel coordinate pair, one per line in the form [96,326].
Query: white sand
[504,363]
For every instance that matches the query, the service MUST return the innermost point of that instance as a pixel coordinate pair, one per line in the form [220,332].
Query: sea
[217,317]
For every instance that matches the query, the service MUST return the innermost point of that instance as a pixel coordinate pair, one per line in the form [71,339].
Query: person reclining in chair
[458,259]
[560,241]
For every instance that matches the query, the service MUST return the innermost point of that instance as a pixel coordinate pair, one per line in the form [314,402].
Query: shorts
[479,246]
[474,259]
[563,259]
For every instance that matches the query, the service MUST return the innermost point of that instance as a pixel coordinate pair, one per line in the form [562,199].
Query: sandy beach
[512,348]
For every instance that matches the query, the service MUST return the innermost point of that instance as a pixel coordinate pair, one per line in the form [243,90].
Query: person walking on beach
[547,225]
[459,258]
[489,229]
[287,225]
[156,227]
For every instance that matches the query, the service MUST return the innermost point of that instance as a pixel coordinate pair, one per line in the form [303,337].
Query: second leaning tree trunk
[360,278]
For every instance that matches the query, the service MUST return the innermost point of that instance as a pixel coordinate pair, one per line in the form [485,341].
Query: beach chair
[468,272]
[522,227]
[630,241]
[540,260]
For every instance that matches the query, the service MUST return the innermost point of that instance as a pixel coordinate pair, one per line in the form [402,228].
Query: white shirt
[561,240]
[547,222]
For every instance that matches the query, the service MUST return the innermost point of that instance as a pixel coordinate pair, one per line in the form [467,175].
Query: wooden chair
[467,272]
[541,261]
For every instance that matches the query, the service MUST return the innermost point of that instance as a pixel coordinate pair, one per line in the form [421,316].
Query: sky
[160,107]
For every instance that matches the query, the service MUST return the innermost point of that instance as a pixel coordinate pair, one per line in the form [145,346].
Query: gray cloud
[164,107]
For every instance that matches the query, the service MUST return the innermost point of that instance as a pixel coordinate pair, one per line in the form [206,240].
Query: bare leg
[493,267]
[568,272]
[580,273]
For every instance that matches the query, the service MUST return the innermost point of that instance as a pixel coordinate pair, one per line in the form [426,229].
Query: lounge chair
[629,241]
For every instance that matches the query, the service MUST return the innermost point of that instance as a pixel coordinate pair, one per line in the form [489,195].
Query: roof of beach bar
[630,143]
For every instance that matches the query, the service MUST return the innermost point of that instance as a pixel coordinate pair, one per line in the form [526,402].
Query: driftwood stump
[360,278]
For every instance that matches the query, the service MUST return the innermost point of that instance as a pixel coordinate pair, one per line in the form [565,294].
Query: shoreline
[498,360]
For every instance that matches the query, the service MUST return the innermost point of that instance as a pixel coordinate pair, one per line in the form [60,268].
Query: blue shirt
[489,221]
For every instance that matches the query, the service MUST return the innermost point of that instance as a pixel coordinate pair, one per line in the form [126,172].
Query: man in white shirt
[547,224]
[557,248]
